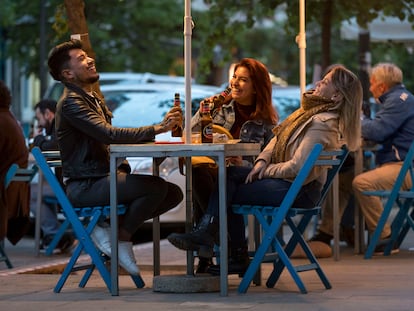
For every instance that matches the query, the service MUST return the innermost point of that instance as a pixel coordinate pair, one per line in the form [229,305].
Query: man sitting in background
[44,137]
[393,129]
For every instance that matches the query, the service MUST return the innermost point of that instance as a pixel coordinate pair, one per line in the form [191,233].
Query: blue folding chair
[272,218]
[51,200]
[396,197]
[15,174]
[82,229]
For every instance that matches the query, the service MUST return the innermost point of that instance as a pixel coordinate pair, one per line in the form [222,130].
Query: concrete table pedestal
[184,283]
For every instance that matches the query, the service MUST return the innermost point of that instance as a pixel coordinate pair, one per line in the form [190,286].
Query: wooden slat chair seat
[272,218]
[396,197]
[15,173]
[76,219]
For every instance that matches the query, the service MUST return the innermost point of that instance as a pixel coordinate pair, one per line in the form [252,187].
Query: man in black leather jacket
[84,132]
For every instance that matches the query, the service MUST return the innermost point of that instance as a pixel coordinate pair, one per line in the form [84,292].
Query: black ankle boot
[201,239]
[238,263]
[322,237]
[203,265]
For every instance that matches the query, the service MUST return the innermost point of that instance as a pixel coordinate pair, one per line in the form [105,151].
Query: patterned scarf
[311,105]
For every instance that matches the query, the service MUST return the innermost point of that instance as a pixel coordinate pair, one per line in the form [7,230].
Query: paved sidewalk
[382,283]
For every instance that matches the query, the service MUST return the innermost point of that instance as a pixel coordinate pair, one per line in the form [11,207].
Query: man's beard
[92,80]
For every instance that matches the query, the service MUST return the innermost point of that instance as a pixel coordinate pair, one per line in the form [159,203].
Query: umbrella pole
[187,127]
[301,41]
[187,67]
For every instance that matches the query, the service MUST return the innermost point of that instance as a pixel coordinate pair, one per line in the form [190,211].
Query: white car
[286,99]
[55,90]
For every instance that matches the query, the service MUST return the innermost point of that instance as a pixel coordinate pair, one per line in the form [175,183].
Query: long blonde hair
[350,109]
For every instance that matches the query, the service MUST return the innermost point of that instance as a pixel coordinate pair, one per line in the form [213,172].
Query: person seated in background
[329,115]
[84,132]
[248,114]
[44,137]
[15,200]
[392,128]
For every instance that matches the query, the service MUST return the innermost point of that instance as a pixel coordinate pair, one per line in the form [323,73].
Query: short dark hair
[46,104]
[59,57]
[5,95]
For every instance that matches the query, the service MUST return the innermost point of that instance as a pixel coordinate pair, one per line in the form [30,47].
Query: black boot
[238,263]
[203,265]
[201,239]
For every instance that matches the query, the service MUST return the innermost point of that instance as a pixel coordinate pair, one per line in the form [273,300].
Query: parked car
[286,99]
[54,91]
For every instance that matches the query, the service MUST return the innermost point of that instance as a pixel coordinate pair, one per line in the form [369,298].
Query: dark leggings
[146,196]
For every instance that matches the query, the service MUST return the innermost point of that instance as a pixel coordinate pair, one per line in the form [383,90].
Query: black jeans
[204,177]
[146,196]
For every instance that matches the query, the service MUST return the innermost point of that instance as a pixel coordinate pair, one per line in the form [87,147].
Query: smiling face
[81,71]
[325,87]
[242,89]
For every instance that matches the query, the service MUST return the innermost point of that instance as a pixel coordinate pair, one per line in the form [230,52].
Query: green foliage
[139,36]
[147,35]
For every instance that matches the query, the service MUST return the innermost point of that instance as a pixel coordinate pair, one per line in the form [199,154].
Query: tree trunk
[326,34]
[75,9]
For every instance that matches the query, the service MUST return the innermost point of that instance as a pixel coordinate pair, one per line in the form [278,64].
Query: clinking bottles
[178,130]
[206,123]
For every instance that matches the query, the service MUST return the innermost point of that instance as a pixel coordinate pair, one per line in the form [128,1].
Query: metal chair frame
[74,215]
[396,197]
[271,218]
[15,173]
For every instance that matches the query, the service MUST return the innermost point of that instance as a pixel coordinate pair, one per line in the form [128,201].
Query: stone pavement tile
[358,284]
[381,283]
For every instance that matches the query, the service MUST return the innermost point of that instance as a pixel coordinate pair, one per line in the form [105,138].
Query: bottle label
[207,133]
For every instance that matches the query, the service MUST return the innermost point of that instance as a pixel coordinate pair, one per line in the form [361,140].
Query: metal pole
[187,66]
[301,41]
[187,132]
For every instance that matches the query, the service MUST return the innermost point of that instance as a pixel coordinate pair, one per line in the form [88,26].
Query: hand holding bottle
[173,118]
[177,131]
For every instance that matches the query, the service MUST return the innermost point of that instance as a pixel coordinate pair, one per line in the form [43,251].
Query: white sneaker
[127,257]
[102,238]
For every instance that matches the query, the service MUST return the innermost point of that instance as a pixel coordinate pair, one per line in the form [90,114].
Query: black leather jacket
[84,132]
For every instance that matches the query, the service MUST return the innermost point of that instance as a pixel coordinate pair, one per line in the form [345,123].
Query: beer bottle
[177,131]
[206,123]
[219,99]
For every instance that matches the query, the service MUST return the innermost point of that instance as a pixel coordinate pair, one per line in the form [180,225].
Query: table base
[186,283]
